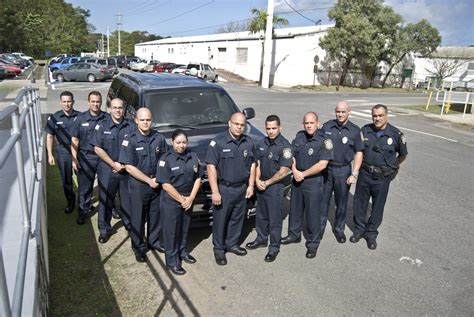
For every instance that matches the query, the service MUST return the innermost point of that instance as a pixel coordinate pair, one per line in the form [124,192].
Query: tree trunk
[345,69]
[391,68]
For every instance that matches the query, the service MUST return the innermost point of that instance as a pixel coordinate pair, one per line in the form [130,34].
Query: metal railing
[25,114]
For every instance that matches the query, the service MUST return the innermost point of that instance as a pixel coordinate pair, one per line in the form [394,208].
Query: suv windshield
[189,109]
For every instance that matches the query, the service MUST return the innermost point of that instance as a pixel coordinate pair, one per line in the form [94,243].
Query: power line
[315,22]
[140,6]
[181,14]
[150,10]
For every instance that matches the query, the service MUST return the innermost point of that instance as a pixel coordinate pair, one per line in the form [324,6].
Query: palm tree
[259,23]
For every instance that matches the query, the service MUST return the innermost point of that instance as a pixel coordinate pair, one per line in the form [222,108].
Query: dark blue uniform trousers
[64,163]
[175,222]
[109,184]
[228,218]
[85,178]
[336,181]
[269,217]
[145,206]
[306,198]
[377,189]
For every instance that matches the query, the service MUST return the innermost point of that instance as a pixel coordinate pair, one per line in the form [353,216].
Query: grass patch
[436,109]
[79,285]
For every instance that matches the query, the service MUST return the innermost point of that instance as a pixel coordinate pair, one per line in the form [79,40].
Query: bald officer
[384,150]
[348,146]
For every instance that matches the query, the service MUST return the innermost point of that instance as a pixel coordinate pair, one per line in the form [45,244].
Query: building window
[241,56]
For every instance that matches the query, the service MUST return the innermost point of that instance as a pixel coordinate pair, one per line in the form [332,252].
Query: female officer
[180,174]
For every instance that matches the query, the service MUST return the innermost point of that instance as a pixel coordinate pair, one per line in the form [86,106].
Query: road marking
[407,259]
[367,113]
[357,100]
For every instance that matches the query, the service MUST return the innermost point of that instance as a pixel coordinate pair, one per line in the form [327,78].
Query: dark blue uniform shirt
[231,157]
[309,150]
[60,124]
[83,128]
[143,151]
[345,139]
[109,135]
[179,170]
[272,155]
[381,146]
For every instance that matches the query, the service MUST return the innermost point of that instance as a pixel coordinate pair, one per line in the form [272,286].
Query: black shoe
[81,220]
[91,210]
[270,257]
[238,251]
[255,245]
[69,209]
[220,259]
[158,248]
[103,238]
[288,240]
[188,258]
[321,234]
[371,244]
[177,270]
[115,214]
[356,237]
[311,253]
[140,257]
[341,238]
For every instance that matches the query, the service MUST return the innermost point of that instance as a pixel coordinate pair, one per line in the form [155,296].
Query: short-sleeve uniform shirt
[273,154]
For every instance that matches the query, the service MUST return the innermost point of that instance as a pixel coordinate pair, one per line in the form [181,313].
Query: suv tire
[91,78]
[60,77]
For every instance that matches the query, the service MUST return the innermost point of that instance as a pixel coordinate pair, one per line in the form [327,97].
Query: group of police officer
[157,183]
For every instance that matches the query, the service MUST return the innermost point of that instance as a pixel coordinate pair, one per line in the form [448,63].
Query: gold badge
[328,144]
[286,153]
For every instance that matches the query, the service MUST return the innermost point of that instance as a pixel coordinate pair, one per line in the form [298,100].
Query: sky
[453,19]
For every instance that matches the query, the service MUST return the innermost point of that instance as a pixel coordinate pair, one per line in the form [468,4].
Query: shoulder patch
[403,138]
[125,143]
[328,144]
[162,163]
[287,153]
[213,143]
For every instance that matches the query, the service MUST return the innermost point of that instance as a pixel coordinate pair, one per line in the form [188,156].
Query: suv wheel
[60,77]
[91,78]
[215,79]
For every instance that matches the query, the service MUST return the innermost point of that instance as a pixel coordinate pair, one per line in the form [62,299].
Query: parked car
[59,57]
[12,59]
[11,69]
[129,60]
[199,107]
[179,70]
[64,63]
[21,55]
[138,65]
[163,67]
[123,60]
[84,72]
[204,71]
[150,66]
[109,62]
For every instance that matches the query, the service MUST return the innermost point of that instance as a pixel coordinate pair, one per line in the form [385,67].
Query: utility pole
[102,46]
[268,47]
[119,25]
[108,42]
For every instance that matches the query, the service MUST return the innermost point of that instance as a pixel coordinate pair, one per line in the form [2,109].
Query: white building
[294,50]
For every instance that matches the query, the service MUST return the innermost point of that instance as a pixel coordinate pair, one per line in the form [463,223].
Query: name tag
[175,168]
[328,133]
[139,148]
[85,124]
[107,132]
[59,122]
[262,149]
[226,150]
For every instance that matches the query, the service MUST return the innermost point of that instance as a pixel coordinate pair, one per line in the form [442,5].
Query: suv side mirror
[249,113]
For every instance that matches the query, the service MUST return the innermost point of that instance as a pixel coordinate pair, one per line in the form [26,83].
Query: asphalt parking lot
[422,266]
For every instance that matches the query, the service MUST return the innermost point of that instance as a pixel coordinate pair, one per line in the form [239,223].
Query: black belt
[230,184]
[337,165]
[378,170]
[89,152]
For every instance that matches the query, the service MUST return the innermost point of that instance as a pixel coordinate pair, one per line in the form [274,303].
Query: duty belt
[377,170]
[230,184]
[338,165]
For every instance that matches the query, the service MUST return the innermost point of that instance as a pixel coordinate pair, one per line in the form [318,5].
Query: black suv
[176,101]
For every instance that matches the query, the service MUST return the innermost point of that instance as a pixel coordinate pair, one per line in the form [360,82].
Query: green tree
[419,37]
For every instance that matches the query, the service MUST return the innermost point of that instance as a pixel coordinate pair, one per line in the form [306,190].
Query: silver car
[203,71]
[84,72]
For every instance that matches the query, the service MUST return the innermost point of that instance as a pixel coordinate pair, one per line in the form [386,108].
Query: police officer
[58,129]
[140,153]
[112,176]
[312,153]
[231,172]
[84,158]
[348,146]
[384,149]
[274,160]
[180,174]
